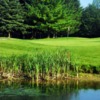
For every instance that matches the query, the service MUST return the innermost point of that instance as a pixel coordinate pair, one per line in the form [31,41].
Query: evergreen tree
[26,1]
[91,21]
[47,16]
[11,16]
[96,3]
[74,13]
[42,16]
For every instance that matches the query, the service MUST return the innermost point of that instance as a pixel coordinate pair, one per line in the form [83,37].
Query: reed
[45,65]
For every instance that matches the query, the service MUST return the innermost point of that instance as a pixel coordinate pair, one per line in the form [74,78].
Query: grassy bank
[49,58]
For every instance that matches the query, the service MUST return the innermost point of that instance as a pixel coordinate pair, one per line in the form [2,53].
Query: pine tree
[47,16]
[11,16]
[74,13]
[96,3]
[26,1]
[91,21]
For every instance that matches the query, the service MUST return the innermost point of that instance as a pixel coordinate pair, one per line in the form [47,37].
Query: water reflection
[88,94]
[69,90]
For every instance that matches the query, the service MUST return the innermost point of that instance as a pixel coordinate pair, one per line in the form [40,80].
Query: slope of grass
[83,50]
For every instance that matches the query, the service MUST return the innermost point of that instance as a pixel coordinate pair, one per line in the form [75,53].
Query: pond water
[70,90]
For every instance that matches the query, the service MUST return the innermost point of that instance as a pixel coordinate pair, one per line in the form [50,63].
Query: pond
[66,90]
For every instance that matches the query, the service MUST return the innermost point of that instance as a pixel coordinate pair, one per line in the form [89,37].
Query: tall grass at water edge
[45,65]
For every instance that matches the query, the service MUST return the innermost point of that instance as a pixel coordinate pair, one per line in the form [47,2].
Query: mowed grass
[83,51]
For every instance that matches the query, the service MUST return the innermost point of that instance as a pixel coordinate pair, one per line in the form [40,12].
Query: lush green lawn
[84,51]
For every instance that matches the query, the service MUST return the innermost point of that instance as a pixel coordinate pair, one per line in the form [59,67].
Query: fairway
[83,50]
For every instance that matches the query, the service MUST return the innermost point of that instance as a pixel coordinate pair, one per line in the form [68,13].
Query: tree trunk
[55,35]
[68,31]
[67,34]
[77,75]
[9,35]
[48,36]
[23,36]
[35,34]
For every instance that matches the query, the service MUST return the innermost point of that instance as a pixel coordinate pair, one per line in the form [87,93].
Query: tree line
[48,18]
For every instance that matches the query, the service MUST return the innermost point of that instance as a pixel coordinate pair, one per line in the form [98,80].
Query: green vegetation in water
[21,88]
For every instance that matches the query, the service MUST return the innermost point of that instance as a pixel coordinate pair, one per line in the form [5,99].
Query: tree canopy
[11,16]
[48,18]
[91,21]
[47,15]
[96,3]
[54,16]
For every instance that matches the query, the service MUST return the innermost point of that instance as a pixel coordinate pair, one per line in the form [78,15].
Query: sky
[85,3]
